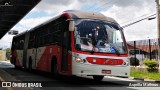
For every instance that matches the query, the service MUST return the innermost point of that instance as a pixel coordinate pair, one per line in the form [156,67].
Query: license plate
[106,71]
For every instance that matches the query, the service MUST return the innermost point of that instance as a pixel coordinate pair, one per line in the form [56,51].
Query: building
[143,51]
[2,55]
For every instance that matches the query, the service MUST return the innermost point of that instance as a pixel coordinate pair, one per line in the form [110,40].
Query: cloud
[32,22]
[6,41]
[142,30]
[128,11]
[57,6]
[124,11]
[128,3]
[52,8]
[25,24]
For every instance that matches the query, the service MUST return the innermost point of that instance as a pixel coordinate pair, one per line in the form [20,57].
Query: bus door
[25,49]
[65,42]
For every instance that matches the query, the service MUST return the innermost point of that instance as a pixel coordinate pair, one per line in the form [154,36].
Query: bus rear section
[17,50]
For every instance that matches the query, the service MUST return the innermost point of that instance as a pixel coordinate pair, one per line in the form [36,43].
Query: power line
[139,16]
[94,4]
[135,18]
[137,21]
[104,6]
[97,9]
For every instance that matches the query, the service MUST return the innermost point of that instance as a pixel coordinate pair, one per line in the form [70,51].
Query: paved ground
[8,73]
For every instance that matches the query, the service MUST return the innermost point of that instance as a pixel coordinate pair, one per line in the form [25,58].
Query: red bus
[74,43]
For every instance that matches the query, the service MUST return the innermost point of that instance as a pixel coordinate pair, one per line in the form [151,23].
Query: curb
[157,81]
[142,79]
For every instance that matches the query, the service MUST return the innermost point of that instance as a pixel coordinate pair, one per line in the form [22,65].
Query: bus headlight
[126,63]
[79,60]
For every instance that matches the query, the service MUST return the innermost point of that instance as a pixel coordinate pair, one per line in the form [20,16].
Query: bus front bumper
[103,70]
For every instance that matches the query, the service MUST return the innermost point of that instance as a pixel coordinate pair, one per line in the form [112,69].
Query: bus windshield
[99,36]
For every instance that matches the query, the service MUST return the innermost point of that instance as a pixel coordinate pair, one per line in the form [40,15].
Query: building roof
[12,11]
[144,48]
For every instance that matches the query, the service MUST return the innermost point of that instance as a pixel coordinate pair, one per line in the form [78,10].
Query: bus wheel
[30,64]
[54,68]
[14,62]
[98,78]
[15,66]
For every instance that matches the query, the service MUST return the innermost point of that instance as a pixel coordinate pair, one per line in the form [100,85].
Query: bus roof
[88,15]
[75,14]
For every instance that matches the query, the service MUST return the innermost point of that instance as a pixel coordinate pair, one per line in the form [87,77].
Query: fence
[143,49]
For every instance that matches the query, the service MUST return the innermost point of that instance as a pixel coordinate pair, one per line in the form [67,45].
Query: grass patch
[154,76]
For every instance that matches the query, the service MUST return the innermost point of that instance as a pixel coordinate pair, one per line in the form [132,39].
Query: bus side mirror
[71,25]
[121,28]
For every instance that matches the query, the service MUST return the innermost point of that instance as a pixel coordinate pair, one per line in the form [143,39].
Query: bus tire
[14,62]
[54,68]
[98,78]
[30,64]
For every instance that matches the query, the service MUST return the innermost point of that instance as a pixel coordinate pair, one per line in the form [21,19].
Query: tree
[8,53]
[134,61]
[152,65]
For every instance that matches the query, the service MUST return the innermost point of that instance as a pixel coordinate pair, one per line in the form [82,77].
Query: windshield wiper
[106,41]
[92,52]
[115,48]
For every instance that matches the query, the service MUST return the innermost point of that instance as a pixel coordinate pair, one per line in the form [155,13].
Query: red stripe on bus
[104,61]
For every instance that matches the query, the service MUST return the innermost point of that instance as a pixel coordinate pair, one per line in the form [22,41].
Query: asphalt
[5,77]
[8,73]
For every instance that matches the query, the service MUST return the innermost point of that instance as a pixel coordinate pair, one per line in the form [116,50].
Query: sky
[123,11]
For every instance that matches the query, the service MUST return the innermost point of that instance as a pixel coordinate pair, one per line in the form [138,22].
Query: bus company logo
[106,61]
[6,84]
[5,4]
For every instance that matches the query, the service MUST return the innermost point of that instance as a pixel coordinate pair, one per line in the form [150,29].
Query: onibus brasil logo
[21,84]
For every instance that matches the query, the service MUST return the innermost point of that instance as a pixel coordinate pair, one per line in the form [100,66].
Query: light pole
[158,27]
[156,52]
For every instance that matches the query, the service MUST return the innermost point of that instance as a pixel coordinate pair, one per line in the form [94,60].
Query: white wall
[2,55]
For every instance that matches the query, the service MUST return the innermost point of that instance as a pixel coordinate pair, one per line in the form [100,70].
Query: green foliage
[8,53]
[150,75]
[152,65]
[7,50]
[134,61]
[131,52]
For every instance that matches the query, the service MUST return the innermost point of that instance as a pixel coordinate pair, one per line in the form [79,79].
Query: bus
[77,43]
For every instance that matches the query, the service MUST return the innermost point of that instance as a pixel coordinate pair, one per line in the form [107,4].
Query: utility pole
[158,27]
[135,53]
[150,53]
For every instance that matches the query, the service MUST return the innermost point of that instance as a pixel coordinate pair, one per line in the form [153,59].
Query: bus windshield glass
[99,36]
